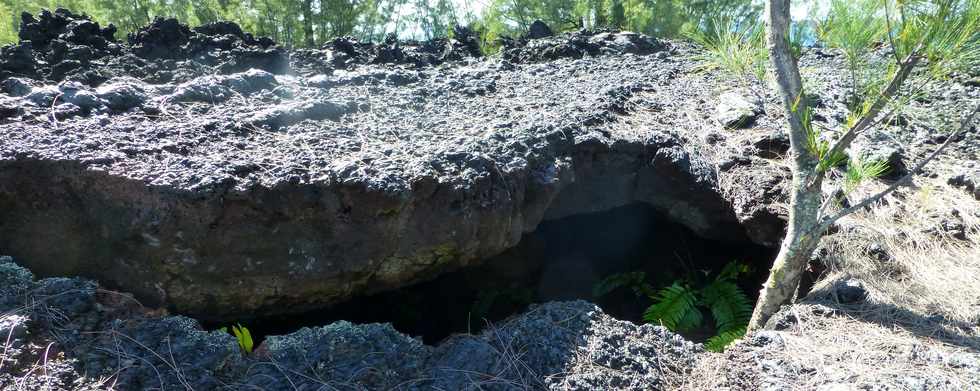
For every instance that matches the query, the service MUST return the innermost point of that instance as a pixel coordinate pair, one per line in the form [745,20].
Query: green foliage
[816,145]
[854,27]
[665,18]
[729,307]
[678,306]
[636,281]
[719,342]
[675,307]
[7,32]
[946,32]
[735,46]
[309,22]
[859,171]
[289,22]
[243,336]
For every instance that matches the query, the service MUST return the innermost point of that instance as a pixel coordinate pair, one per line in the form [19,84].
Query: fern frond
[675,307]
[633,280]
[692,319]
[731,271]
[729,306]
[719,342]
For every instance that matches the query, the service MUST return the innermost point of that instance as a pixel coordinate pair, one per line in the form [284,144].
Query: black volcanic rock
[227,194]
[539,29]
[222,192]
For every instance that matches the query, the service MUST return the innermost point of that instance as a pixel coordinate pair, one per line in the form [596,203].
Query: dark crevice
[562,260]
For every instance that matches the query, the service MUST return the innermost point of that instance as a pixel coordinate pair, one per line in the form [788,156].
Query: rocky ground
[67,333]
[317,187]
[215,174]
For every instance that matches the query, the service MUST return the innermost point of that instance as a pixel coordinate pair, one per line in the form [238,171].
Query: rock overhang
[231,194]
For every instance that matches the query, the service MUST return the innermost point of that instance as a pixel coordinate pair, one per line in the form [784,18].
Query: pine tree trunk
[308,23]
[794,253]
[802,235]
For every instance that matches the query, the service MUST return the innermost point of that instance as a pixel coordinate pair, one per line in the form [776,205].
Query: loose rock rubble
[61,328]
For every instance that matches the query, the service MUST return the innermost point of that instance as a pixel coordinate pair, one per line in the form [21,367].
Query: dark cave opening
[563,259]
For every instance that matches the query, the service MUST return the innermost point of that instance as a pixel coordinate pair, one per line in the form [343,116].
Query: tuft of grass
[859,171]
[734,46]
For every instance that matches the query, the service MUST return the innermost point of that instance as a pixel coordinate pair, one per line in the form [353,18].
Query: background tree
[930,38]
[308,23]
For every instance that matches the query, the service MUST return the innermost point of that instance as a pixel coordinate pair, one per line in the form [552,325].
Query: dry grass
[868,354]
[38,364]
[919,327]
[929,271]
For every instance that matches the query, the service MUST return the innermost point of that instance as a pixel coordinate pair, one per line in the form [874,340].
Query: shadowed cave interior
[563,259]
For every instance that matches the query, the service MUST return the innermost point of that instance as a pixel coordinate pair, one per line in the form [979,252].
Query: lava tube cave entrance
[563,259]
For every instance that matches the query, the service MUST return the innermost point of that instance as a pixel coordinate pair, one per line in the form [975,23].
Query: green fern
[675,307]
[719,342]
[729,306]
[633,280]
[678,307]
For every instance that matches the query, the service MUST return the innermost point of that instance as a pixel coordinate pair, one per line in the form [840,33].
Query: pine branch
[907,179]
[868,119]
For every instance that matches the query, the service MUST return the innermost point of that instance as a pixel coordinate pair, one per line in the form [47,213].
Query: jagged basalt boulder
[348,53]
[57,46]
[540,47]
[538,29]
[969,180]
[65,46]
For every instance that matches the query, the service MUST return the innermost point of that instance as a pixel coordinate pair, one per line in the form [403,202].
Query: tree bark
[308,23]
[794,254]
[805,198]
[806,223]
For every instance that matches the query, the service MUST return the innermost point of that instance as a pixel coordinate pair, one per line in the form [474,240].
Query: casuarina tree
[920,41]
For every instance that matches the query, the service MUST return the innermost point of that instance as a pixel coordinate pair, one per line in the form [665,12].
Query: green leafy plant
[243,336]
[636,281]
[676,308]
[859,171]
[854,27]
[679,306]
[818,147]
[733,45]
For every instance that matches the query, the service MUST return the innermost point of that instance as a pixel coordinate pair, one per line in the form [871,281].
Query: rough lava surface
[219,175]
[69,334]
[222,176]
[222,183]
